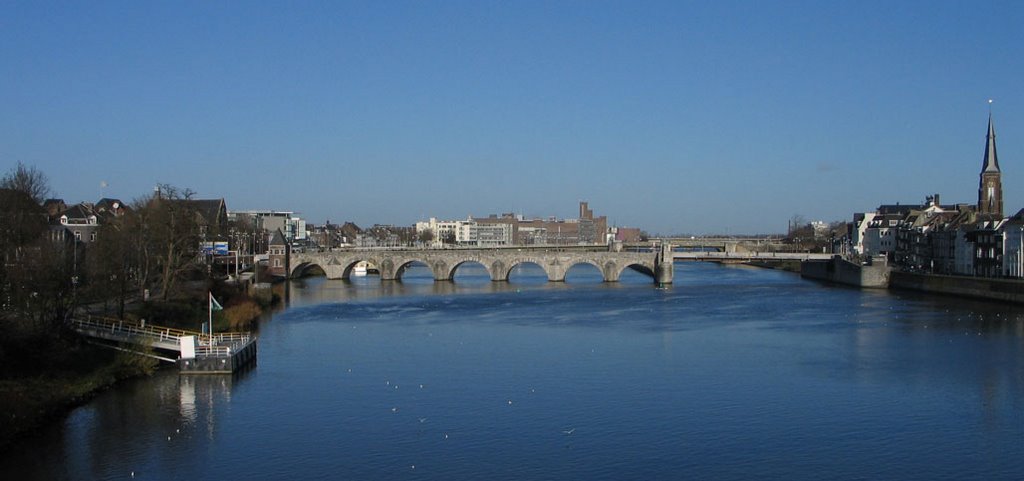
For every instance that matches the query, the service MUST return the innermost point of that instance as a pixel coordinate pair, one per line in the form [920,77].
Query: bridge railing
[699,255]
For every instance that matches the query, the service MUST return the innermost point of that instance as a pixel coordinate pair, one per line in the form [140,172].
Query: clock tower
[990,185]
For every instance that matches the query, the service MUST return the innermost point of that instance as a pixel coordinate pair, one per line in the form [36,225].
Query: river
[732,373]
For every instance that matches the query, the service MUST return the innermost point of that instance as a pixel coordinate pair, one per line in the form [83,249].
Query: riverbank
[880,276]
[1004,290]
[840,271]
[782,265]
[44,377]
[36,390]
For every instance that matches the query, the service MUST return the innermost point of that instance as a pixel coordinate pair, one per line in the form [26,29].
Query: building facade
[960,239]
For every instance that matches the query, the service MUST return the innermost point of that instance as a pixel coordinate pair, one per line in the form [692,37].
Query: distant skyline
[675,117]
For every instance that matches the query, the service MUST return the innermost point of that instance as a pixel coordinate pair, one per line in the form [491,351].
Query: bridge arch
[504,273]
[348,265]
[302,268]
[638,267]
[592,262]
[403,264]
[553,274]
[483,262]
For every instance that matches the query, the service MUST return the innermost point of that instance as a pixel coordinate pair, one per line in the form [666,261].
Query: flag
[214,305]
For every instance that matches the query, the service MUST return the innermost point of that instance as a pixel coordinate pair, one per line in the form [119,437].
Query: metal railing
[208,345]
[229,337]
[213,351]
[706,255]
[131,329]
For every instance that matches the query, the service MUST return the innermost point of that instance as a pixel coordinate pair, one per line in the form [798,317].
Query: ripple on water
[732,373]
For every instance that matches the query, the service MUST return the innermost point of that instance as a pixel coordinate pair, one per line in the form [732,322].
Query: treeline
[46,274]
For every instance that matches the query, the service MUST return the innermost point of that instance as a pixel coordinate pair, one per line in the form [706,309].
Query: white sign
[188,347]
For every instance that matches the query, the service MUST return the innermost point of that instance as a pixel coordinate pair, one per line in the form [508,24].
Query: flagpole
[209,304]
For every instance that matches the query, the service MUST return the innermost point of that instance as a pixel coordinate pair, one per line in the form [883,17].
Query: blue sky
[709,117]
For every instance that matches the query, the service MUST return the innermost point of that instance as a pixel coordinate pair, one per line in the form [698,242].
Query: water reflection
[134,427]
[732,373]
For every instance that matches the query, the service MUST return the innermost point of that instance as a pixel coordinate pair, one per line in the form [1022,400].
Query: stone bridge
[499,262]
[722,244]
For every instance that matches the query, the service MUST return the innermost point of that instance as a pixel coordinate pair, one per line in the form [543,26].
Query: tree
[426,236]
[27,180]
[796,222]
[22,222]
[448,237]
[38,273]
[40,287]
[112,261]
[168,238]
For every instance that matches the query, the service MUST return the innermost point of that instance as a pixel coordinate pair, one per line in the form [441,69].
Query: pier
[193,352]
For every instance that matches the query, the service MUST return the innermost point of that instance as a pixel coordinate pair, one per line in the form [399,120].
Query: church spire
[990,182]
[991,160]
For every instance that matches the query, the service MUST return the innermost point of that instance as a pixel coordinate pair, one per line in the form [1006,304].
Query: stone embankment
[880,276]
[1006,290]
[837,270]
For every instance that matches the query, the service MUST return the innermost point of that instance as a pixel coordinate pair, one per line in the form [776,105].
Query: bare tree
[28,180]
[41,288]
[112,261]
[37,283]
[22,222]
[426,236]
[167,237]
[797,222]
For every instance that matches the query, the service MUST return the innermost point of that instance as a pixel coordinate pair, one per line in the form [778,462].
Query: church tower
[990,185]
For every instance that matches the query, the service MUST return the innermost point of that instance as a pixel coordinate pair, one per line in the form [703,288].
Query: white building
[1013,245]
[292,226]
[297,229]
[493,235]
[880,236]
[442,230]
[467,232]
[860,231]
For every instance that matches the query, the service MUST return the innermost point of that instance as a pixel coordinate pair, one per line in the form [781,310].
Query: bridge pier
[556,271]
[664,269]
[611,272]
[441,271]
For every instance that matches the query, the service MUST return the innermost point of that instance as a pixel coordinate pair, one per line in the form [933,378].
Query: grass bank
[240,309]
[44,375]
[36,388]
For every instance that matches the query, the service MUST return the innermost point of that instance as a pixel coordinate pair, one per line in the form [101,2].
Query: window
[78,235]
[277,262]
[92,237]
